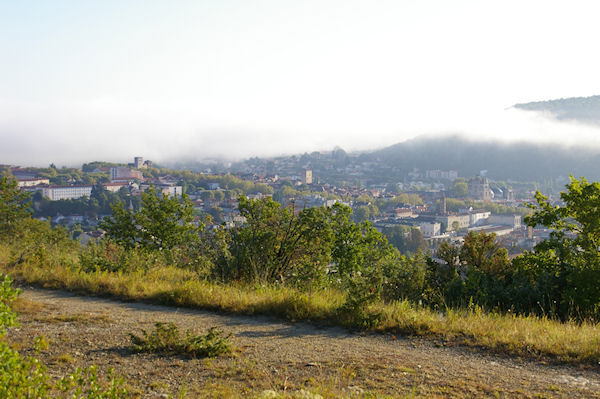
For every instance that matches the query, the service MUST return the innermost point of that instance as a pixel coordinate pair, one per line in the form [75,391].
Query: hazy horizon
[106,81]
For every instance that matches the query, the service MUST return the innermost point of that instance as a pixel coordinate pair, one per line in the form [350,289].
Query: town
[416,211]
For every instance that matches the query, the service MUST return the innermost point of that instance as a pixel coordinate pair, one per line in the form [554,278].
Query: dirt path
[277,356]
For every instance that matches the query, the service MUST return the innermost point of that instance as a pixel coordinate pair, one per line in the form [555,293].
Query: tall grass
[529,336]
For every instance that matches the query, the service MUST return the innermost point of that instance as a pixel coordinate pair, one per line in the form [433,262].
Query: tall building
[138,162]
[509,194]
[307,176]
[478,188]
[443,210]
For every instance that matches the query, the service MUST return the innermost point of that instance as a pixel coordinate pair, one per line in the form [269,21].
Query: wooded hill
[516,161]
[580,109]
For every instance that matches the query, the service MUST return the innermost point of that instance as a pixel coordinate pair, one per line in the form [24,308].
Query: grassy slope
[515,335]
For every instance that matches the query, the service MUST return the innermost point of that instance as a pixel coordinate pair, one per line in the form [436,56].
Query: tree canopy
[162,222]
[14,205]
[566,266]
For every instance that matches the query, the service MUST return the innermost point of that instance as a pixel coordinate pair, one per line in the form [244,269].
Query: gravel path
[278,356]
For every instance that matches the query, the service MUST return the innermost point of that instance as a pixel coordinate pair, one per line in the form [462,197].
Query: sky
[168,80]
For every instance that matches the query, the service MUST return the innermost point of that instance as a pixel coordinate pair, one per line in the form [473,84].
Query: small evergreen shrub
[166,338]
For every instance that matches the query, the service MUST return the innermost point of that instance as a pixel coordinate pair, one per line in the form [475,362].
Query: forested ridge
[580,109]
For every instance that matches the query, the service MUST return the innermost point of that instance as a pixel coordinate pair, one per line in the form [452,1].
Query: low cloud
[69,133]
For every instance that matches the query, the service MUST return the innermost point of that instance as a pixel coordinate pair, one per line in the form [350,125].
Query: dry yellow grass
[512,334]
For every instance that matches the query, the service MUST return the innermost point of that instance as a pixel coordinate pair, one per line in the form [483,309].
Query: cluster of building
[119,177]
[434,222]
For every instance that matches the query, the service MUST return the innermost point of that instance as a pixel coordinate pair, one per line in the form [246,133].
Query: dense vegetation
[320,264]
[193,182]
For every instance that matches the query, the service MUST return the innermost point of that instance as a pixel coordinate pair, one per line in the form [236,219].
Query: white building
[171,190]
[165,189]
[477,217]
[431,229]
[115,187]
[31,182]
[56,193]
[506,220]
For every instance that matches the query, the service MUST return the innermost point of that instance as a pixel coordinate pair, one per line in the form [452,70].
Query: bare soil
[275,356]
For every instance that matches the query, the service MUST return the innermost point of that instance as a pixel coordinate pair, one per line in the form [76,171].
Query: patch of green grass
[166,338]
[65,358]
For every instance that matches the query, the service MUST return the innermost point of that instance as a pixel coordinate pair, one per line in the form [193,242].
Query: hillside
[580,109]
[516,161]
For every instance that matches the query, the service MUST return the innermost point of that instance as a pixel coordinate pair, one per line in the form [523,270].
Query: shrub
[166,339]
[26,377]
[109,256]
[363,289]
[83,383]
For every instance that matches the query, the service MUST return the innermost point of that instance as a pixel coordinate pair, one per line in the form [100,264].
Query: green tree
[365,264]
[276,245]
[478,271]
[480,251]
[14,206]
[362,213]
[216,213]
[357,246]
[459,188]
[163,222]
[406,239]
[565,268]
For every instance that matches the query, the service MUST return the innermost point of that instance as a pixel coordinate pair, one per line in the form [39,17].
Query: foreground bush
[26,377]
[166,338]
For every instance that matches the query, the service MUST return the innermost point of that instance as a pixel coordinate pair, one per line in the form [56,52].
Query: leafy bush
[363,289]
[163,222]
[109,256]
[83,383]
[276,245]
[166,339]
[14,206]
[26,377]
